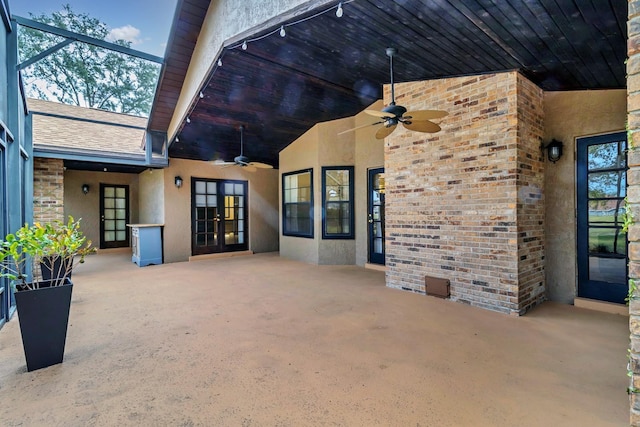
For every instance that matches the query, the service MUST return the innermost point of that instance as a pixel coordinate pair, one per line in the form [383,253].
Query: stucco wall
[263,206]
[225,20]
[301,154]
[570,115]
[369,154]
[151,198]
[323,146]
[87,206]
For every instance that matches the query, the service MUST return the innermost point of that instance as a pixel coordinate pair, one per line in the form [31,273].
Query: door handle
[370,219]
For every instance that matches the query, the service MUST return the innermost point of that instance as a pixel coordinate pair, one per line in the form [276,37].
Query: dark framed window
[297,203]
[337,202]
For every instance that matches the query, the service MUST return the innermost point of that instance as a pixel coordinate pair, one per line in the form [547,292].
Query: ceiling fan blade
[220,162]
[425,114]
[249,168]
[422,126]
[385,131]
[359,127]
[376,113]
[260,165]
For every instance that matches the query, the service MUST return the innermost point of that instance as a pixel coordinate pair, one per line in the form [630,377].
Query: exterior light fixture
[85,188]
[282,31]
[554,150]
[339,11]
[178,181]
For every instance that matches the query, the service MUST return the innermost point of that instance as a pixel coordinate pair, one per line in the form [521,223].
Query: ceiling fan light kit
[392,114]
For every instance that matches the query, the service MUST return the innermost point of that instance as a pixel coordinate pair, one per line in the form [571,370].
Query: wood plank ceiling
[328,67]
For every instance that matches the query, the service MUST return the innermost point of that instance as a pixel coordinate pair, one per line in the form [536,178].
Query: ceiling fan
[242,160]
[393,114]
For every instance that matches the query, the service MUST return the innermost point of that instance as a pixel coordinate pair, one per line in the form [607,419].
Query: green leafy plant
[54,247]
[632,291]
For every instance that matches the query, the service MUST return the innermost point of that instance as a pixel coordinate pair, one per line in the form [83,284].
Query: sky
[146,23]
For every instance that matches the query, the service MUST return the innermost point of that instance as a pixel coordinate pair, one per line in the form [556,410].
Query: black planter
[54,269]
[44,314]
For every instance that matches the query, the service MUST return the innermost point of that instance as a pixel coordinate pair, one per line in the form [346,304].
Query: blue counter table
[146,244]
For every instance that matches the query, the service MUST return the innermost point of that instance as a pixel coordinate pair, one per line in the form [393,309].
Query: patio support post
[633,201]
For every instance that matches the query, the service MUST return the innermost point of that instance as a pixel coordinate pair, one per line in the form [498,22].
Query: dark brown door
[375,216]
[219,221]
[114,216]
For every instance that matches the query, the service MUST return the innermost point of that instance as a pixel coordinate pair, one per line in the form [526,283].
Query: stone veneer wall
[48,190]
[466,203]
[633,198]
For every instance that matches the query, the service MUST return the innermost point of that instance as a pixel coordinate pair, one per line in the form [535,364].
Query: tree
[82,74]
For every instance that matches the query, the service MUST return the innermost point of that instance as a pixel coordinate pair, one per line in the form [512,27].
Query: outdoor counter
[146,244]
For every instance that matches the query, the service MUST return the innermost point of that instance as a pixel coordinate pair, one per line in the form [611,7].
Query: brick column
[465,204]
[48,190]
[633,198]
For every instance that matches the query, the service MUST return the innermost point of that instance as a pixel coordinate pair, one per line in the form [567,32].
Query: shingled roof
[72,129]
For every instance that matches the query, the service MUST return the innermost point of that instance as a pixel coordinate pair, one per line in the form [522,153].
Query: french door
[219,216]
[114,216]
[602,244]
[375,215]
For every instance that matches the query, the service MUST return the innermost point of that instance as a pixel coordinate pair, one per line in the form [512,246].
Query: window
[297,203]
[337,202]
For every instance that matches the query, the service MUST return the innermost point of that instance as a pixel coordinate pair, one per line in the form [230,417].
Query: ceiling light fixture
[282,32]
[339,11]
[219,62]
[188,120]
[244,45]
[201,95]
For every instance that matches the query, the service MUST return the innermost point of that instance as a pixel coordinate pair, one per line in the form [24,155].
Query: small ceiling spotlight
[188,120]
[85,188]
[201,95]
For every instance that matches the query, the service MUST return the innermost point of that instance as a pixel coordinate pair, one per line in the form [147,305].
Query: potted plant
[43,298]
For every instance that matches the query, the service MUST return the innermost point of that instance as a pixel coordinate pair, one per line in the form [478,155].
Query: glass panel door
[5,290]
[602,244]
[375,216]
[219,216]
[114,216]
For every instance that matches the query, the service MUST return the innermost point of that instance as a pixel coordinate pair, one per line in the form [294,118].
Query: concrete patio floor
[263,341]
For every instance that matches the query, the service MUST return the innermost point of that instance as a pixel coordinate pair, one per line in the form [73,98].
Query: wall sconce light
[178,181]
[85,188]
[554,150]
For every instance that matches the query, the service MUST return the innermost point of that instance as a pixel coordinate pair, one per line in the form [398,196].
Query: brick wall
[633,198]
[466,203]
[530,204]
[48,190]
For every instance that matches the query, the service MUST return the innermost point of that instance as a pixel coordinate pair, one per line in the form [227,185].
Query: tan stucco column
[633,198]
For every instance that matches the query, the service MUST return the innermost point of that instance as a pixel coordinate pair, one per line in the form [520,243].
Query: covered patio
[261,341]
